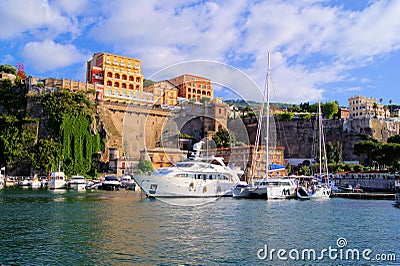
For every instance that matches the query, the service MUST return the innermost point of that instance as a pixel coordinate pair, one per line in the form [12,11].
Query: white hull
[165,186]
[78,187]
[268,189]
[57,184]
[397,197]
[35,184]
[319,193]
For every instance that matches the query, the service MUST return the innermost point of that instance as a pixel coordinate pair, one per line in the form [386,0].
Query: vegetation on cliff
[71,139]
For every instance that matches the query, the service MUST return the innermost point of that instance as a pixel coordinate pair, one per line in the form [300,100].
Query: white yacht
[267,188]
[57,181]
[77,182]
[313,188]
[34,182]
[197,177]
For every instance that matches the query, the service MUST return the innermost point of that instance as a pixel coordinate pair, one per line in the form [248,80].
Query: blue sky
[328,50]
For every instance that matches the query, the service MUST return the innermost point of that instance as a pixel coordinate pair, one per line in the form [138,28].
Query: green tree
[8,69]
[286,116]
[145,166]
[375,106]
[46,154]
[330,110]
[394,139]
[222,138]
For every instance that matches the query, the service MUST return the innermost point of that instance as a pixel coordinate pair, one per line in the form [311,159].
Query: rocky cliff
[300,138]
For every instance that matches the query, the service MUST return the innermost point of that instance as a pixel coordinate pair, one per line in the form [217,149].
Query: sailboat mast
[320,138]
[267,95]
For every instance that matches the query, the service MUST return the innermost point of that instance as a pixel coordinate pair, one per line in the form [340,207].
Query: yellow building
[163,157]
[165,93]
[120,78]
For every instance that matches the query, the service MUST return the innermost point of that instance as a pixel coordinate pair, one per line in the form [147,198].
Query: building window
[116,93]
[130,86]
[124,77]
[116,84]
[124,85]
[117,76]
[109,74]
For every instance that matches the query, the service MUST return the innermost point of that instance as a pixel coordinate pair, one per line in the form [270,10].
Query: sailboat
[318,187]
[266,187]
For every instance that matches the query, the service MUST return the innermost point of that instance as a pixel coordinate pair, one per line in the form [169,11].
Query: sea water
[40,227]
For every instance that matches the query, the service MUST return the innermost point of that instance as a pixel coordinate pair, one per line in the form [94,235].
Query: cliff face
[300,138]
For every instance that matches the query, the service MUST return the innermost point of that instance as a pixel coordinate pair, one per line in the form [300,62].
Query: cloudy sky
[330,50]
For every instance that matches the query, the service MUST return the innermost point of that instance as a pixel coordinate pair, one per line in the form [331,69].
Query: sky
[319,50]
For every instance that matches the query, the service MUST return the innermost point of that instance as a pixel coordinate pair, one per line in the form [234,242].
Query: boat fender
[191,186]
[219,189]
[204,189]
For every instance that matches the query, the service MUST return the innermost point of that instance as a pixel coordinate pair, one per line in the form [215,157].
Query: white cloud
[313,43]
[35,17]
[48,55]
[171,31]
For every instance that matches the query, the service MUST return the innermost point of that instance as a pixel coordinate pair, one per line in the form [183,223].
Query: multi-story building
[363,107]
[193,87]
[119,78]
[39,85]
[165,93]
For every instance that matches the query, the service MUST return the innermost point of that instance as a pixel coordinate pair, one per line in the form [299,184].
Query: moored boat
[267,188]
[314,192]
[197,177]
[111,183]
[77,182]
[34,182]
[57,181]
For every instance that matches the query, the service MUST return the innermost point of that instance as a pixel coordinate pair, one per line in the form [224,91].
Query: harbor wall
[383,185]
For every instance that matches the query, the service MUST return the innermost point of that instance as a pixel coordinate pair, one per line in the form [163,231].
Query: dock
[365,195]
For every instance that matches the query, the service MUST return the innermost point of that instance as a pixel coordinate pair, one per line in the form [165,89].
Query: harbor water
[40,227]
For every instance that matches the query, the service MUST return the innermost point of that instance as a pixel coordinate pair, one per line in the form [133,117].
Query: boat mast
[322,147]
[320,138]
[266,91]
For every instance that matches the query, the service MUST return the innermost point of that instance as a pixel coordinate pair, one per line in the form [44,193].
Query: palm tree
[375,108]
[390,107]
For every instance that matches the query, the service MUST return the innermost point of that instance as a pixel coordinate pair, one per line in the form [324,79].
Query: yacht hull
[163,186]
[319,193]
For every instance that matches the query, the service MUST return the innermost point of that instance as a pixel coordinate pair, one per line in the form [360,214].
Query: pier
[365,195]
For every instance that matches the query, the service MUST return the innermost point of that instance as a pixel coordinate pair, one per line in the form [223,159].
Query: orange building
[165,93]
[193,87]
[119,78]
